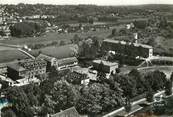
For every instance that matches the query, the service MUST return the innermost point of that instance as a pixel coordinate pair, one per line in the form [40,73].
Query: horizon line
[87,4]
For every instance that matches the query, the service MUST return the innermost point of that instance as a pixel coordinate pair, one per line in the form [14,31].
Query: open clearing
[5,48]
[49,37]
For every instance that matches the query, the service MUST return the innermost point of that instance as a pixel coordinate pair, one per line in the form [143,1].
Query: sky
[95,2]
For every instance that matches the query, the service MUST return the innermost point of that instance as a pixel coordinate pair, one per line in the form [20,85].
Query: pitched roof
[66,61]
[16,67]
[45,57]
[71,112]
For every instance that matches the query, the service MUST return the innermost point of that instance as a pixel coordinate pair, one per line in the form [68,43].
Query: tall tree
[168,87]
[65,95]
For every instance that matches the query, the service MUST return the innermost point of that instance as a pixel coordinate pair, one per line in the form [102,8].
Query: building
[105,66]
[66,63]
[26,69]
[51,61]
[127,49]
[59,64]
[71,112]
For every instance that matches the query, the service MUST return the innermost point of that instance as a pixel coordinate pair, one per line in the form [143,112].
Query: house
[26,69]
[105,66]
[71,112]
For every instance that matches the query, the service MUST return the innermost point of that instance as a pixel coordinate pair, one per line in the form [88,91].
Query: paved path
[113,113]
[26,53]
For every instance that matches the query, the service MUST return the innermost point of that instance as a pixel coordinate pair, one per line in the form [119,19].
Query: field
[11,55]
[5,48]
[49,37]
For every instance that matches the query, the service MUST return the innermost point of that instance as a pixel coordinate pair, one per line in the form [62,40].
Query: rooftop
[16,67]
[105,62]
[45,57]
[124,43]
[71,112]
[26,64]
[67,60]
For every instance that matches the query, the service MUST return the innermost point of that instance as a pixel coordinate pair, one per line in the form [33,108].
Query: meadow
[54,36]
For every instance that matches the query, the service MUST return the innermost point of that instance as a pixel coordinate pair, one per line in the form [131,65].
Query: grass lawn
[11,55]
[49,37]
[167,44]
[5,48]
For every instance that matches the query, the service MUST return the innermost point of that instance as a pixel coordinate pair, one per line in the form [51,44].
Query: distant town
[86,61]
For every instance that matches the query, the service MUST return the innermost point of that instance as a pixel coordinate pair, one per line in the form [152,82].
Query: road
[135,107]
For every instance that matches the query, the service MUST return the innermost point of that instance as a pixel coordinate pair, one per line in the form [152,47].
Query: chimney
[136,37]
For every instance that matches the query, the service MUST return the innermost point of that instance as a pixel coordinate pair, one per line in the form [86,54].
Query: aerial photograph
[86,58]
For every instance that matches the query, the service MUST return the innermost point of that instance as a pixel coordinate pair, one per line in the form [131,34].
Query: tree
[20,102]
[62,42]
[134,74]
[171,77]
[127,84]
[128,105]
[113,32]
[24,29]
[8,113]
[149,95]
[65,95]
[2,33]
[98,98]
[168,87]
[91,20]
[76,39]
[48,106]
[155,80]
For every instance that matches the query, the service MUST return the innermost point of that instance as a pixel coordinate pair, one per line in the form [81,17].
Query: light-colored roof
[71,112]
[66,61]
[124,43]
[107,63]
[162,58]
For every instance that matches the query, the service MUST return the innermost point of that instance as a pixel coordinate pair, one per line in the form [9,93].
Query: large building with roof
[51,61]
[59,64]
[66,63]
[26,68]
[105,66]
[127,48]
